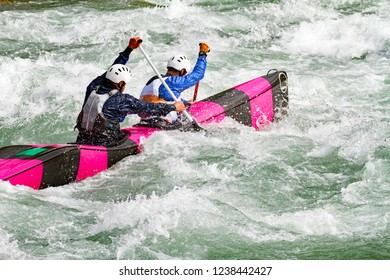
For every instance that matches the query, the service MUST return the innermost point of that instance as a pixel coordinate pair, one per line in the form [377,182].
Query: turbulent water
[314,186]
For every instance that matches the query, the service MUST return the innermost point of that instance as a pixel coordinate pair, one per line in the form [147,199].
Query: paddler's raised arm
[179,83]
[123,57]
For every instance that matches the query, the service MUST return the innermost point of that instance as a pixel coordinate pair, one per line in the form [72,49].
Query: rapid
[314,186]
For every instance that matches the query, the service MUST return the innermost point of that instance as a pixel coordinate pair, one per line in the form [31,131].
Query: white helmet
[118,73]
[179,62]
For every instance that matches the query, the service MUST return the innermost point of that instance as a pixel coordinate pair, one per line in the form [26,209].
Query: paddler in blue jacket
[178,78]
[105,104]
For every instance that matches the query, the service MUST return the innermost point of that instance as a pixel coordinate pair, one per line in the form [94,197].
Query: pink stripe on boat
[92,161]
[262,110]
[140,134]
[32,177]
[259,90]
[207,112]
[253,87]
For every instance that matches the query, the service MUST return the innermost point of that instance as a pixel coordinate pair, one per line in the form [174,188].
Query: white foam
[307,222]
[336,106]
[9,248]
[345,37]
[12,84]
[372,187]
[154,216]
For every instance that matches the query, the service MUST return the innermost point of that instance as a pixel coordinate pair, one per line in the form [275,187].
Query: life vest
[94,128]
[152,89]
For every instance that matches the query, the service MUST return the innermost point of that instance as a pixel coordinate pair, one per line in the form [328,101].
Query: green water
[315,186]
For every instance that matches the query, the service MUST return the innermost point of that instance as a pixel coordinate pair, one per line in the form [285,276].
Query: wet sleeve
[123,57]
[131,105]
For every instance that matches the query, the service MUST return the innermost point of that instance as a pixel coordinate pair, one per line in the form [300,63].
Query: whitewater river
[314,186]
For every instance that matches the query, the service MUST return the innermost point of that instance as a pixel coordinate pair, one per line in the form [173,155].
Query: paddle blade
[196,127]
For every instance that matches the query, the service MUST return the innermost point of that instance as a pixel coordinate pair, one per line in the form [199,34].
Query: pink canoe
[254,103]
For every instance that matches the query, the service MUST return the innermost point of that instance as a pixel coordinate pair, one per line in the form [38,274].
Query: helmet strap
[173,72]
[120,86]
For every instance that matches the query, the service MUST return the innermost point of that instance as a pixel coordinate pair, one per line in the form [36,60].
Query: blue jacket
[180,83]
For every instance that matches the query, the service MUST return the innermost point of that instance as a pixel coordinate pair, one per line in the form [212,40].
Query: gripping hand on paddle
[179,106]
[203,49]
[135,43]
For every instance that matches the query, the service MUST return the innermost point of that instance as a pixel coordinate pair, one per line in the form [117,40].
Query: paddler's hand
[135,43]
[203,49]
[180,107]
[188,103]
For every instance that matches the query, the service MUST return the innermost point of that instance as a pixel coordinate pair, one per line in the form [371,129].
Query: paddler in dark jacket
[178,78]
[105,104]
